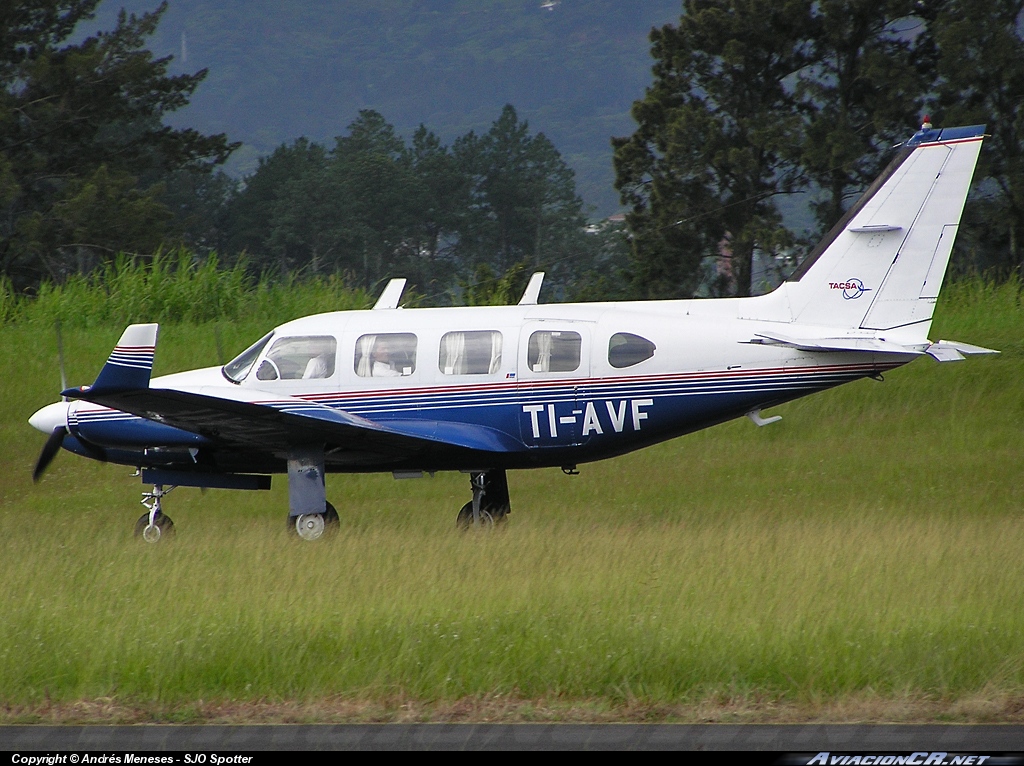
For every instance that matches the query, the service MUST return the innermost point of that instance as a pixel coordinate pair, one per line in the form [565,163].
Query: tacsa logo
[852,288]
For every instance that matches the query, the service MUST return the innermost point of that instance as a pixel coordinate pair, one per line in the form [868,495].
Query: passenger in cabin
[389,355]
[382,363]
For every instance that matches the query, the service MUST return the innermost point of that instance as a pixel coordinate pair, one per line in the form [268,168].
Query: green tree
[981,67]
[714,142]
[198,205]
[860,93]
[604,274]
[374,207]
[372,169]
[524,205]
[443,191]
[81,123]
[353,209]
[256,208]
[486,288]
[306,213]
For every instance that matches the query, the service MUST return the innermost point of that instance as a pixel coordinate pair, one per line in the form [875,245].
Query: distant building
[610,222]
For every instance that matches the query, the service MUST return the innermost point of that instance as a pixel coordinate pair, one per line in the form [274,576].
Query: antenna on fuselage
[391,296]
[532,291]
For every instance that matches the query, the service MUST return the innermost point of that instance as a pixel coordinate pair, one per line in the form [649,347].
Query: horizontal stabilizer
[943,351]
[130,364]
[954,351]
[868,344]
[874,228]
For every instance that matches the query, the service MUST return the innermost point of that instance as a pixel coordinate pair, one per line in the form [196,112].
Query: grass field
[860,560]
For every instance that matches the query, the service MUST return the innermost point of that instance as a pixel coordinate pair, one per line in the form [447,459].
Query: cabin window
[554,351]
[470,353]
[388,355]
[306,358]
[626,349]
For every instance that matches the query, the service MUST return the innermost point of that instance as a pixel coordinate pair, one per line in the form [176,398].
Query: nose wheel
[154,526]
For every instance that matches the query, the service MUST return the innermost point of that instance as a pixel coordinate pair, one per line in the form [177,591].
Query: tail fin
[130,364]
[882,265]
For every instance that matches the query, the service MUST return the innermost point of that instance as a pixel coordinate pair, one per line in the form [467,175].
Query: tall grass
[665,612]
[869,544]
[175,287]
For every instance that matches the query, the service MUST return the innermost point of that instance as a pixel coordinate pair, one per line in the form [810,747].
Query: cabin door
[554,367]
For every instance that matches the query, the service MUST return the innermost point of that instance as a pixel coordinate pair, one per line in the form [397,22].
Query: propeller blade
[50,450]
[60,359]
[220,348]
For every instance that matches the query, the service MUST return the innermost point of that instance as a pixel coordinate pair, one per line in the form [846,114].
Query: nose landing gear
[154,525]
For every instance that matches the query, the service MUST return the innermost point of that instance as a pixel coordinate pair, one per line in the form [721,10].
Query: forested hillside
[438,140]
[278,71]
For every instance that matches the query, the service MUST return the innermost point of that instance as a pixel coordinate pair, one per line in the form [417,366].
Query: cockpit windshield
[239,367]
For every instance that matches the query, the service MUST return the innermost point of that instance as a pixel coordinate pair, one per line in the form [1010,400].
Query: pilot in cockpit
[316,368]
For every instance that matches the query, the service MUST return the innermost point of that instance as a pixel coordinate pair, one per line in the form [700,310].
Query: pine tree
[524,205]
[714,142]
[82,138]
[862,92]
[980,47]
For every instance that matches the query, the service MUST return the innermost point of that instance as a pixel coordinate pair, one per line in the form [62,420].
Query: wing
[254,420]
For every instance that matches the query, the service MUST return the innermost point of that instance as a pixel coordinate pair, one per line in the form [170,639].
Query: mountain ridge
[280,71]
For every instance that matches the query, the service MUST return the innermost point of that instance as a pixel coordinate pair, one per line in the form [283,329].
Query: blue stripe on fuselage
[677,404]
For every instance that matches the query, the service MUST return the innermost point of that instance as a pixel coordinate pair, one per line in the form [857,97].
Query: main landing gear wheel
[314,526]
[489,507]
[161,528]
[465,518]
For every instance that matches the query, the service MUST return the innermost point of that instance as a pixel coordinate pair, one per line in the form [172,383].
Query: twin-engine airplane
[484,390]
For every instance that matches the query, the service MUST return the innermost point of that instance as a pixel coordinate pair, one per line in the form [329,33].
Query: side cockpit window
[470,353]
[626,349]
[239,367]
[388,355]
[554,351]
[300,358]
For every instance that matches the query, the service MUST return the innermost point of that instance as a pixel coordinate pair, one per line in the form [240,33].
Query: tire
[164,528]
[488,520]
[314,526]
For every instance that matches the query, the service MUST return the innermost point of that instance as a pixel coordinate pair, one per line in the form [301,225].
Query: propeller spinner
[53,420]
